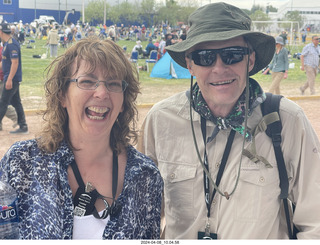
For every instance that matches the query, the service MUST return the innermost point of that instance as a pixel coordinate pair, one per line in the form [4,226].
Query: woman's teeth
[97,113]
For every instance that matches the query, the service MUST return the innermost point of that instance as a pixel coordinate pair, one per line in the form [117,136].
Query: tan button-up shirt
[254,210]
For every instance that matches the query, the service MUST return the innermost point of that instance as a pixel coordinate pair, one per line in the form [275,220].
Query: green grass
[152,89]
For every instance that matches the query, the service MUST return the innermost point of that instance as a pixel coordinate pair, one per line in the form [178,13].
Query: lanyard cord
[225,194]
[221,168]
[94,193]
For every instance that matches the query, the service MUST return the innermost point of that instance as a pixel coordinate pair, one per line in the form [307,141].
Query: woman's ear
[62,99]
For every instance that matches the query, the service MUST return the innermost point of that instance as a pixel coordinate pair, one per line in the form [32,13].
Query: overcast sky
[247,4]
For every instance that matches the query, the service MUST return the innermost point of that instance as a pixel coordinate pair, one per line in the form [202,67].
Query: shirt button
[261,179]
[172,176]
[217,165]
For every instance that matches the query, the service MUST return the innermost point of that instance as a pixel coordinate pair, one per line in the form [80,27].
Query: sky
[247,4]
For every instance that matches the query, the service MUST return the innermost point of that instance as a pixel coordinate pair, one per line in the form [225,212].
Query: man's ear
[189,65]
[252,60]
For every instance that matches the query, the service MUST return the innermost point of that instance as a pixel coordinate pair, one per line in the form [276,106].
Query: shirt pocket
[257,195]
[179,180]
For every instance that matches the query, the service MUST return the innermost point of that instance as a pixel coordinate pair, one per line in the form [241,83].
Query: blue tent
[167,68]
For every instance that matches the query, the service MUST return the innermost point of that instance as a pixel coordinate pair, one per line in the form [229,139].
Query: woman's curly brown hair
[96,53]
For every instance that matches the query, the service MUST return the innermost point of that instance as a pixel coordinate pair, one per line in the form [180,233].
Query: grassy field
[152,89]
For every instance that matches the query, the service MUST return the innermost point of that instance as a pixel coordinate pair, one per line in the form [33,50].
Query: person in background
[310,63]
[284,35]
[138,47]
[10,113]
[81,178]
[279,66]
[12,70]
[162,46]
[53,41]
[221,178]
[304,34]
[149,48]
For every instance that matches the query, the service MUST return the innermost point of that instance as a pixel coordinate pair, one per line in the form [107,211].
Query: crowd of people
[202,166]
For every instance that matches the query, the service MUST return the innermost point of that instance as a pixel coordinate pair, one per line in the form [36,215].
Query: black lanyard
[84,200]
[221,168]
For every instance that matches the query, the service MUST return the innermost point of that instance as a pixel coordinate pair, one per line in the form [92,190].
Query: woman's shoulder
[29,150]
[139,163]
[20,147]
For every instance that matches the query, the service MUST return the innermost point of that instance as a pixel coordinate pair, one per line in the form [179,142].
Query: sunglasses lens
[229,56]
[204,57]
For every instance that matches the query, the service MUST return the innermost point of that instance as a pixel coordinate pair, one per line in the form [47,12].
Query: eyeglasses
[89,83]
[229,56]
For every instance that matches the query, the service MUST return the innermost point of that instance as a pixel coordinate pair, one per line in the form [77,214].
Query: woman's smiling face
[91,112]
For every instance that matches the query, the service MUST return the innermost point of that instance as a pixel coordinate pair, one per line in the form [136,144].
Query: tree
[95,11]
[272,9]
[168,13]
[259,15]
[126,13]
[147,11]
[293,16]
[256,8]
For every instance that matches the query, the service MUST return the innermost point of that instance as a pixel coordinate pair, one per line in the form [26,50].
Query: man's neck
[5,38]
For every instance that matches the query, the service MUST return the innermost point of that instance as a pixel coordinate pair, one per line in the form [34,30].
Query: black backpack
[273,130]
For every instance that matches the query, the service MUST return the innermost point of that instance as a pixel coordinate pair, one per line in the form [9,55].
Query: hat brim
[263,45]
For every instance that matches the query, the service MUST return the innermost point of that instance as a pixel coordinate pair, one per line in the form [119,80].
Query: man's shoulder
[174,102]
[289,110]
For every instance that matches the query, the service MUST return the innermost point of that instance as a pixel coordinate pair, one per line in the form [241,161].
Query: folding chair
[134,58]
[153,58]
[30,42]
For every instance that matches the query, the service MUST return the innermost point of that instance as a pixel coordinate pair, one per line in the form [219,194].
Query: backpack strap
[271,105]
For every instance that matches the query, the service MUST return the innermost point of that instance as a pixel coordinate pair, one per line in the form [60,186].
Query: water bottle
[9,219]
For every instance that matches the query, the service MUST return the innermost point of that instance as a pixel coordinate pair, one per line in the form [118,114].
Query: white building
[308,9]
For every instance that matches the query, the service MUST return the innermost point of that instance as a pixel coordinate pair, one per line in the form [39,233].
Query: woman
[279,66]
[81,178]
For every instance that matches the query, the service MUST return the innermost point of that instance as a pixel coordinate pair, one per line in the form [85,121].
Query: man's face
[315,41]
[221,84]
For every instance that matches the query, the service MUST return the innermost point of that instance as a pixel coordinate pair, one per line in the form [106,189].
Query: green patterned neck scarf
[236,117]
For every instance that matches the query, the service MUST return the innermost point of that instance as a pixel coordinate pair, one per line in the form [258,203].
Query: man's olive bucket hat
[219,22]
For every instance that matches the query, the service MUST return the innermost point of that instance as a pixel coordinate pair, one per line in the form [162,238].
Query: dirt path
[311,108]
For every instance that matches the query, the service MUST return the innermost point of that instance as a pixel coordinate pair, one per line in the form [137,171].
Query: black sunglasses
[229,55]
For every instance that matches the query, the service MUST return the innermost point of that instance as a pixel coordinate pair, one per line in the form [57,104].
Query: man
[222,52]
[11,113]
[53,41]
[149,48]
[11,66]
[310,63]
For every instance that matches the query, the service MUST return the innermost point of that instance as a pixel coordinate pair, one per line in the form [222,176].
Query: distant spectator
[279,66]
[52,41]
[169,40]
[310,63]
[112,33]
[304,35]
[149,48]
[162,46]
[138,47]
[183,36]
[284,36]
[11,112]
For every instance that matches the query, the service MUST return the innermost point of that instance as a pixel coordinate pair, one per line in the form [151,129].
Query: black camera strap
[221,168]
